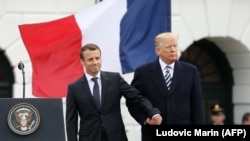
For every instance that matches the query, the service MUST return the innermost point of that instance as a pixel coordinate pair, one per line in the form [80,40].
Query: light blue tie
[167,77]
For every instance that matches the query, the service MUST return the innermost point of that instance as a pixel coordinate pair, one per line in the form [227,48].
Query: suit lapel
[158,78]
[85,86]
[178,74]
[104,81]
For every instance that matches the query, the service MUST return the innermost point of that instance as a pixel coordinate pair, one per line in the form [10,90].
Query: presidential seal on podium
[23,119]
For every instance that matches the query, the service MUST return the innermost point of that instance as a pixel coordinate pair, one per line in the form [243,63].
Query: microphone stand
[21,67]
[23,83]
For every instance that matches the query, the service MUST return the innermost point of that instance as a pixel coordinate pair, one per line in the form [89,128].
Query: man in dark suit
[95,99]
[171,85]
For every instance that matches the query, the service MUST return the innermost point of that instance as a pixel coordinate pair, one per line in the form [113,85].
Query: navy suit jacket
[93,121]
[181,105]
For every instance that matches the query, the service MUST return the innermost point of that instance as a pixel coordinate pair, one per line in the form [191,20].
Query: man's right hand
[155,120]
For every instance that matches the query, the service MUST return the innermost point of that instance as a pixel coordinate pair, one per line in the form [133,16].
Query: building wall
[226,22]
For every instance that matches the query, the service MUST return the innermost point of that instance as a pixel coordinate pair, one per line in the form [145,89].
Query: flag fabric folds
[124,30]
[54,54]
[53,46]
[140,24]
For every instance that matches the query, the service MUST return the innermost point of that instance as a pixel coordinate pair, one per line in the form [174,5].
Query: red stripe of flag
[53,48]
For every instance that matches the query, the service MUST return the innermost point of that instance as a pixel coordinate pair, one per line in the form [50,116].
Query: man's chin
[96,71]
[174,59]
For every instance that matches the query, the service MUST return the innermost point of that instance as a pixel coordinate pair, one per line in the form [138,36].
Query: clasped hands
[155,120]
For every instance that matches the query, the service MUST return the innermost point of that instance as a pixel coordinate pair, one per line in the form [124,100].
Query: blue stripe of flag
[143,20]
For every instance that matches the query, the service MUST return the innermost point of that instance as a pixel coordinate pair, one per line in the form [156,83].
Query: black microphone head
[20,65]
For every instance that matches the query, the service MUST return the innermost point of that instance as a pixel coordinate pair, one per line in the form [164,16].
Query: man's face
[218,119]
[168,51]
[92,61]
[246,122]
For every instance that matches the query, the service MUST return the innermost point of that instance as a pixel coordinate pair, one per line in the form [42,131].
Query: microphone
[21,67]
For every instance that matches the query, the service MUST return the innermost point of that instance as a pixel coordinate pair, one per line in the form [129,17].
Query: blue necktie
[168,77]
[96,93]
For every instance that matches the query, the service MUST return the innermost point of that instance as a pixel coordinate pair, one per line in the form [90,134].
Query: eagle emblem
[23,119]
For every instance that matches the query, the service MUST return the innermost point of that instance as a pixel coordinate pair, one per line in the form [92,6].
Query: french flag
[123,29]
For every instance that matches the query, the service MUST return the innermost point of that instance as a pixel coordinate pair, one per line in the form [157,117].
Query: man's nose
[95,60]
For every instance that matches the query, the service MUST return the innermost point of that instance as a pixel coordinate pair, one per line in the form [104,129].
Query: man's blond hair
[164,36]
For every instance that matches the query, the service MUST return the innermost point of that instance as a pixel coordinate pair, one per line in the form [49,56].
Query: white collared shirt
[163,67]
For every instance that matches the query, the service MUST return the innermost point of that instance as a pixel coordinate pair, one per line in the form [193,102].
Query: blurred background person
[217,115]
[246,118]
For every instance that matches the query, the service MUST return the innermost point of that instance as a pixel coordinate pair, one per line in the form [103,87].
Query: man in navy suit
[100,118]
[171,85]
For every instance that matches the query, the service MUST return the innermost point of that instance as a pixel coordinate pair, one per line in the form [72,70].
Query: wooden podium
[32,119]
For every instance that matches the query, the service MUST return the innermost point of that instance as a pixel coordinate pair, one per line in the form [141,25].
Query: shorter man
[217,115]
[93,111]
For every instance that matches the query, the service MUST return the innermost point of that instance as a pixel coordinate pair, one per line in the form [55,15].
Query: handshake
[155,120]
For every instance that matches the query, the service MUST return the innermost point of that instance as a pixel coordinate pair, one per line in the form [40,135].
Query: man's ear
[82,62]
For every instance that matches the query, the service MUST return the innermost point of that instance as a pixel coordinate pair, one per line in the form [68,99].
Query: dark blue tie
[96,93]
[168,77]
